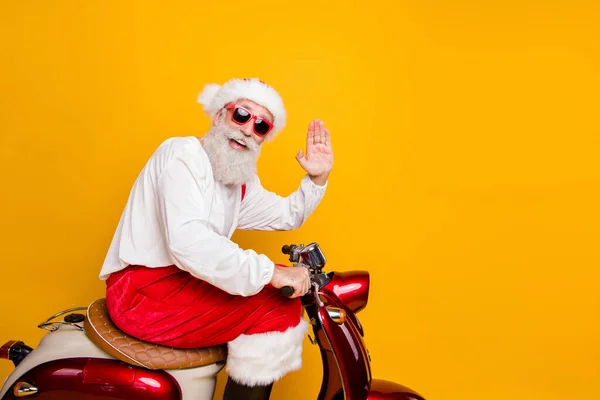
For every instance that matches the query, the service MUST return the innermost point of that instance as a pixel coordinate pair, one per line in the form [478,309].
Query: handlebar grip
[287,291]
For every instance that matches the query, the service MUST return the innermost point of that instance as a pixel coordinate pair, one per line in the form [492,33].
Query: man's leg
[237,391]
[168,306]
[263,358]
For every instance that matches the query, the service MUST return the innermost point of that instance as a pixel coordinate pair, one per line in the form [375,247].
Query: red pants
[170,307]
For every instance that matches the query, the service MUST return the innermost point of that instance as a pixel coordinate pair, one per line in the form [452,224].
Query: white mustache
[241,137]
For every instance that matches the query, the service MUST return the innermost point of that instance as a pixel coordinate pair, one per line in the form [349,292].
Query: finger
[301,283]
[302,290]
[310,137]
[316,136]
[308,283]
[327,137]
[321,132]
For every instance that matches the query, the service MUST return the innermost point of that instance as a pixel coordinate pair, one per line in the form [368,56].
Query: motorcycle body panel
[351,289]
[347,373]
[349,350]
[93,378]
[346,360]
[69,343]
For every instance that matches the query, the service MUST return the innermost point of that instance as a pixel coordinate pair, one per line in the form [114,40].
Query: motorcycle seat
[110,339]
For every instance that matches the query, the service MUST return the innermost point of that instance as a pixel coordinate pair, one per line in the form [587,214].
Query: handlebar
[287,249]
[296,254]
[311,257]
[287,291]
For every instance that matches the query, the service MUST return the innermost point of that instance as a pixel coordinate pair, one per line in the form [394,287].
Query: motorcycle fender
[385,390]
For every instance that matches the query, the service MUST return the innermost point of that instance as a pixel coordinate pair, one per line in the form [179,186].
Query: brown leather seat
[101,330]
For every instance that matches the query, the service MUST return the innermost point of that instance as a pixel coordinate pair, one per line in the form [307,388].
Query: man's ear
[217,117]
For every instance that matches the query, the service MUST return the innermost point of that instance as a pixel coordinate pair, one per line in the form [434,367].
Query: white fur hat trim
[214,97]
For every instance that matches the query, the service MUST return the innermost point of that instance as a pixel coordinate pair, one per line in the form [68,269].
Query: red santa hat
[214,97]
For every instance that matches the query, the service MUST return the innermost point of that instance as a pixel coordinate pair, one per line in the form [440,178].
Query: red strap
[243,191]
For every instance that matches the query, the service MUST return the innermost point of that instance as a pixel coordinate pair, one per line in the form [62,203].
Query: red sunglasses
[241,116]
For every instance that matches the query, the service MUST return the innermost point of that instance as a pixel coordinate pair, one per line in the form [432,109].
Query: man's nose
[247,128]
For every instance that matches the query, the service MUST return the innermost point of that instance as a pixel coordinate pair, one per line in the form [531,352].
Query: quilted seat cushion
[101,330]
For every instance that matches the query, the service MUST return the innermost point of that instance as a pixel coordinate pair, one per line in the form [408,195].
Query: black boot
[237,391]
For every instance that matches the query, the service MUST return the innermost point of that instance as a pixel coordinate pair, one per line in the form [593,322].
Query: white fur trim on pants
[261,359]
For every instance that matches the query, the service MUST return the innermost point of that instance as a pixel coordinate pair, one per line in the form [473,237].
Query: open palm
[318,160]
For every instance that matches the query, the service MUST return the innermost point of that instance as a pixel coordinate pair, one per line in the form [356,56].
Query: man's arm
[266,211]
[184,199]
[184,195]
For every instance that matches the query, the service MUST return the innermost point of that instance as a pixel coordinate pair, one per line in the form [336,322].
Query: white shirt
[178,214]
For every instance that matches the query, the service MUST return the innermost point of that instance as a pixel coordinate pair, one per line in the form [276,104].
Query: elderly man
[173,275]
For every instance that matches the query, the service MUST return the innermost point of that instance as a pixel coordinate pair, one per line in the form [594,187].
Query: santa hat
[214,97]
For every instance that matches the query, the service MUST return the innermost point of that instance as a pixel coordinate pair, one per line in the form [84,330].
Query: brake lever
[315,285]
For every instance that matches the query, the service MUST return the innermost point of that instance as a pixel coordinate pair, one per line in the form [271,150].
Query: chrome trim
[52,326]
[24,389]
[313,256]
[336,314]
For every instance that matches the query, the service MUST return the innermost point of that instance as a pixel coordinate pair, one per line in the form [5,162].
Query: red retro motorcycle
[86,357]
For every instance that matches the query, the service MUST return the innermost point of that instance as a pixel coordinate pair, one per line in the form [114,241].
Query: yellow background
[466,137]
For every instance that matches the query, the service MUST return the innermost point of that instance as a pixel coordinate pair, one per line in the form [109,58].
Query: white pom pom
[208,93]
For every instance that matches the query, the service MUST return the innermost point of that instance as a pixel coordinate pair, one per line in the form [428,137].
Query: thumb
[301,159]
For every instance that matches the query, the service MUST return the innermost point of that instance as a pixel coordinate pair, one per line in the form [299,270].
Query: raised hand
[318,160]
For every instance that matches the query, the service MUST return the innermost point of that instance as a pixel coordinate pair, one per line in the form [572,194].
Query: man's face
[233,149]
[248,128]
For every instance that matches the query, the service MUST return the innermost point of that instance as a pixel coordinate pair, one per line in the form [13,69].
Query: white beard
[230,167]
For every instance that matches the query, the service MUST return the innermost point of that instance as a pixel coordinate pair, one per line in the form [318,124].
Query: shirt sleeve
[184,200]
[264,210]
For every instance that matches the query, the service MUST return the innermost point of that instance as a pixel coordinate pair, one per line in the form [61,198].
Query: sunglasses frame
[233,108]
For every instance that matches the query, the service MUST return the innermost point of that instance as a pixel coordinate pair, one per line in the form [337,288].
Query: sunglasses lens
[261,127]
[240,115]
